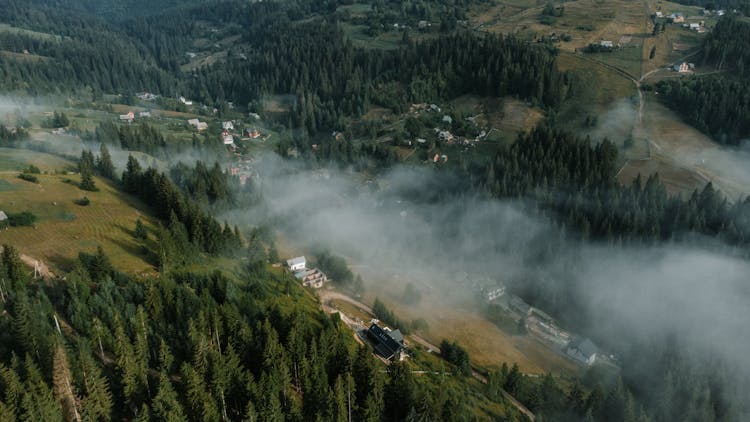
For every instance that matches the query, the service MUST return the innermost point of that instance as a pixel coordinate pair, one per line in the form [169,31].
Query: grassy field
[64,228]
[460,319]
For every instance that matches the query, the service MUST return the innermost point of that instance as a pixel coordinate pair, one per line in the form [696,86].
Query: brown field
[506,116]
[63,228]
[460,320]
[678,181]
[685,157]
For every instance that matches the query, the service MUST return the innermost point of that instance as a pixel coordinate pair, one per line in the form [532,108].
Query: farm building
[297,264]
[311,278]
[677,17]
[608,44]
[3,220]
[387,343]
[144,114]
[695,26]
[197,124]
[659,14]
[517,304]
[582,350]
[492,294]
[683,67]
[127,117]
[252,133]
[185,101]
[227,125]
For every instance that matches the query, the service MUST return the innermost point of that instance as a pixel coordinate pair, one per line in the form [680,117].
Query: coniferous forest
[178,343]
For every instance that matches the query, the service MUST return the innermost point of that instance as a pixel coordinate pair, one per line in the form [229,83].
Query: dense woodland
[187,346]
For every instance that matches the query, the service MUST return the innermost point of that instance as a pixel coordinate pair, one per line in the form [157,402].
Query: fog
[702,298]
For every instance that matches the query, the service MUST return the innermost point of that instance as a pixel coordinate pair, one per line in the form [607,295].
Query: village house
[683,67]
[146,96]
[448,119]
[297,264]
[198,125]
[185,101]
[3,220]
[582,350]
[227,125]
[608,44]
[311,278]
[423,25]
[386,343]
[144,114]
[495,293]
[255,116]
[227,138]
[659,14]
[127,117]
[252,133]
[695,27]
[677,17]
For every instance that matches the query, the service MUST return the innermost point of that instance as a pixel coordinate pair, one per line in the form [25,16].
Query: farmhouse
[252,133]
[185,101]
[387,343]
[297,264]
[200,126]
[495,293]
[683,67]
[227,125]
[3,219]
[695,27]
[127,117]
[582,350]
[311,278]
[227,138]
[608,44]
[659,14]
[677,17]
[144,114]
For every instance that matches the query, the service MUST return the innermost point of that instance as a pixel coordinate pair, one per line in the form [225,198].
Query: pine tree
[166,406]
[63,385]
[104,163]
[140,231]
[87,177]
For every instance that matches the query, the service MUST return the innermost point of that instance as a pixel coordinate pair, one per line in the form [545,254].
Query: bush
[82,201]
[28,177]
[32,169]
[25,218]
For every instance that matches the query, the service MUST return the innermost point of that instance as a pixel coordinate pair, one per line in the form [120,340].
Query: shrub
[28,177]
[24,218]
[82,201]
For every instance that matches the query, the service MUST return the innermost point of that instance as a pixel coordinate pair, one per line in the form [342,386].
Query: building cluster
[309,277]
[683,67]
[544,327]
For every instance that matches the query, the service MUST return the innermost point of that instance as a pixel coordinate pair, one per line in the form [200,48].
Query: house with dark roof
[387,343]
[582,350]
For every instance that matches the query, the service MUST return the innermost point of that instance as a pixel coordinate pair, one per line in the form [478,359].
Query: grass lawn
[63,228]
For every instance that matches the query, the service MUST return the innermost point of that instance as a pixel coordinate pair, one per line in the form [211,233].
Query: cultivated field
[64,228]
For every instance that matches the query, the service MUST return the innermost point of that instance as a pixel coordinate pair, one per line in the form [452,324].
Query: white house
[582,350]
[185,101]
[608,44]
[3,219]
[495,293]
[227,126]
[127,117]
[297,264]
[659,14]
[681,67]
[144,114]
[227,138]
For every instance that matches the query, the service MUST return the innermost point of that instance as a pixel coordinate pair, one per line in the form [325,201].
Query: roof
[296,261]
[517,302]
[301,274]
[584,346]
[3,216]
[385,343]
